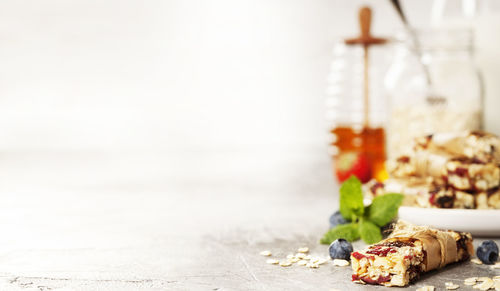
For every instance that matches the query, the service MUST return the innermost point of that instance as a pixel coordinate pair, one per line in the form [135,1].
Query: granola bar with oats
[461,172]
[409,251]
[479,145]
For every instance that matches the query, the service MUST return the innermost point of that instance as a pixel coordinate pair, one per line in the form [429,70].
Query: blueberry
[337,219]
[487,252]
[340,249]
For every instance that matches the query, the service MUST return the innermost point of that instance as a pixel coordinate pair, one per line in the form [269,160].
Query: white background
[169,75]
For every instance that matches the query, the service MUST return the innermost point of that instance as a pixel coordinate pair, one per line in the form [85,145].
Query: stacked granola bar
[449,171]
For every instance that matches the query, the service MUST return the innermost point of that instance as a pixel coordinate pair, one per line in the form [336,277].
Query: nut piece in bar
[409,251]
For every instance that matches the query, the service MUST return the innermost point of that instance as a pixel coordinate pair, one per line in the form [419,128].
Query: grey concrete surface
[163,221]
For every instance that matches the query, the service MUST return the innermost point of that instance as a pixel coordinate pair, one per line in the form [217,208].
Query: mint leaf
[345,231]
[351,199]
[369,232]
[384,208]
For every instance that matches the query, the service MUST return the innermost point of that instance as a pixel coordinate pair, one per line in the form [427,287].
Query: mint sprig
[351,199]
[370,232]
[346,231]
[365,221]
[384,208]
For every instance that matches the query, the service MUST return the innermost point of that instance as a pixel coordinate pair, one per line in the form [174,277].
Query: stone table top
[172,221]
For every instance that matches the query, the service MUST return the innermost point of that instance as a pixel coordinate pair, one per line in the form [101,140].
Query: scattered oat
[497,285]
[303,250]
[302,263]
[290,256]
[285,264]
[426,288]
[294,260]
[470,281]
[340,263]
[300,256]
[486,283]
[308,257]
[322,261]
[476,261]
[451,286]
[312,265]
[265,253]
[272,261]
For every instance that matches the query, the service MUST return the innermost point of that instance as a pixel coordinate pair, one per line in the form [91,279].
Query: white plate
[477,222]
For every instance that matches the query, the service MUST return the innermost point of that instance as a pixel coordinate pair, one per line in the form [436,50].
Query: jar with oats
[455,101]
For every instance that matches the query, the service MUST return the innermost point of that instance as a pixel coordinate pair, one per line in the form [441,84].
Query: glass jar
[356,129]
[453,102]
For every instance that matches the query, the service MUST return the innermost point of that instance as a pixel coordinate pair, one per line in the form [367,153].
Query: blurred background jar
[455,101]
[483,16]
[357,132]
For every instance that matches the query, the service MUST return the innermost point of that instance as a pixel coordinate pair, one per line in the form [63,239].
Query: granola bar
[478,145]
[462,173]
[409,251]
[411,187]
[423,163]
[426,193]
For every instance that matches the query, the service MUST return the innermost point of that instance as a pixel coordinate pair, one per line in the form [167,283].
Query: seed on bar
[265,253]
[303,250]
[340,263]
[272,261]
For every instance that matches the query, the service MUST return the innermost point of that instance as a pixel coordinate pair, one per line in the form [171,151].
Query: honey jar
[356,105]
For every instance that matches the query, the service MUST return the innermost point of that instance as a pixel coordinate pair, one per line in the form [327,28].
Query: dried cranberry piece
[358,256]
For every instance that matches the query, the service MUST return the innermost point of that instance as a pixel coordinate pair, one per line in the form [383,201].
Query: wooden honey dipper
[366,40]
